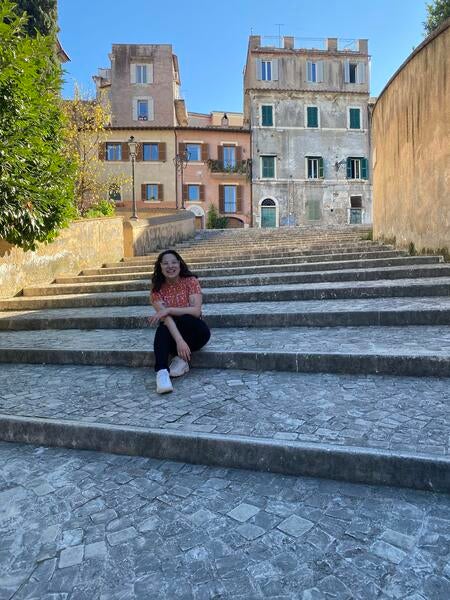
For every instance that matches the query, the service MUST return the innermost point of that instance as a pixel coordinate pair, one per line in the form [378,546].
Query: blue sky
[210,38]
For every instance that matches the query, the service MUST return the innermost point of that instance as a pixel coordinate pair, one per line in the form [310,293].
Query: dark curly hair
[158,278]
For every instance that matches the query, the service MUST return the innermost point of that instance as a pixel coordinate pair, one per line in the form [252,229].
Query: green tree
[36,189]
[213,220]
[437,12]
[42,16]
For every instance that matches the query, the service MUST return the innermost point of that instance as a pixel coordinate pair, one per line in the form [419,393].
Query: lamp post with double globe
[132,147]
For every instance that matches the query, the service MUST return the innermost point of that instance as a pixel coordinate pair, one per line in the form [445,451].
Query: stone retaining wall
[146,235]
[85,243]
[411,149]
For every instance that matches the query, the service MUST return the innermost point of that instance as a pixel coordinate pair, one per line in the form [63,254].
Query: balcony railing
[242,167]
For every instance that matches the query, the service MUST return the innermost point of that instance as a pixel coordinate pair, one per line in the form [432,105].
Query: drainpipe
[176,170]
[251,177]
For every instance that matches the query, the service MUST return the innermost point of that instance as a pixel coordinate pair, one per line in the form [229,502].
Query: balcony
[242,168]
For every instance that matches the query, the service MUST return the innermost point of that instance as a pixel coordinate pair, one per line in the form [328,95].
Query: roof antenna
[279,25]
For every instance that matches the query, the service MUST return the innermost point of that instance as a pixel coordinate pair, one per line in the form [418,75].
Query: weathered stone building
[309,118]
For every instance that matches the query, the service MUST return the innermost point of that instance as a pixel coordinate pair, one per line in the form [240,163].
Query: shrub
[214,220]
[36,190]
[103,208]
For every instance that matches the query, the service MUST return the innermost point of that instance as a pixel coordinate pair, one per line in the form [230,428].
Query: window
[229,195]
[357,168]
[314,209]
[193,194]
[267,167]
[354,118]
[114,194]
[229,157]
[267,115]
[314,167]
[312,116]
[142,110]
[113,151]
[267,70]
[151,192]
[354,72]
[141,73]
[150,151]
[355,210]
[314,71]
[194,151]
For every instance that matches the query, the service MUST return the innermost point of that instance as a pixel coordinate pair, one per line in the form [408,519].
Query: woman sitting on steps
[176,297]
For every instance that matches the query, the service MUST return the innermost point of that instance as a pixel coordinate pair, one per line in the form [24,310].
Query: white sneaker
[163,383]
[178,367]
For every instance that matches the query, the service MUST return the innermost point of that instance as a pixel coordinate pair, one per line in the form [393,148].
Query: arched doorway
[268,213]
[199,215]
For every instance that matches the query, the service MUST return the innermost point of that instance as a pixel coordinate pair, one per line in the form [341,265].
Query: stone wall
[146,235]
[86,243]
[411,149]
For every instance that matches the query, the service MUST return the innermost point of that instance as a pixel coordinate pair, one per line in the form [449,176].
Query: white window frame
[134,71]
[273,69]
[361,72]
[316,158]
[359,169]
[157,188]
[149,101]
[319,71]
[306,116]
[360,118]
[119,144]
[274,156]
[261,117]
[231,147]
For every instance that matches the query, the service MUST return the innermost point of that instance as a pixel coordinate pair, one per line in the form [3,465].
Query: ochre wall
[411,149]
[146,235]
[86,243]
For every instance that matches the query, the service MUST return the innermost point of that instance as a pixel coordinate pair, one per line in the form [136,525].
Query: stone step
[279,244]
[324,266]
[315,313]
[243,263]
[255,252]
[343,427]
[318,291]
[414,350]
[407,272]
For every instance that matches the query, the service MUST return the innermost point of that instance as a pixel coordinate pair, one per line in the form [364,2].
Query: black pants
[194,331]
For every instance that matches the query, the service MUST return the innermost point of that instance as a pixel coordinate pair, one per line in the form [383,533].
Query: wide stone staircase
[329,357]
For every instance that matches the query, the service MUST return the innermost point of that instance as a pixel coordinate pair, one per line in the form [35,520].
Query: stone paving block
[243,512]
[295,526]
[71,556]
[124,535]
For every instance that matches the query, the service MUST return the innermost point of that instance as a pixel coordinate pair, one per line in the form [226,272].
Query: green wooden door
[268,216]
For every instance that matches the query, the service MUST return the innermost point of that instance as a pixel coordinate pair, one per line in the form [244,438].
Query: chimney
[363,46]
[254,42]
[288,41]
[332,44]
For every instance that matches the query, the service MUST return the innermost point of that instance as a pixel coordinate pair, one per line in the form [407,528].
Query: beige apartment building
[183,160]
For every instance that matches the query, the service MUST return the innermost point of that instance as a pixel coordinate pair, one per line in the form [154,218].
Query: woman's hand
[159,316]
[183,350]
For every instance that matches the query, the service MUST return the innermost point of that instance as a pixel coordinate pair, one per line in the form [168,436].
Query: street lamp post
[132,146]
[180,161]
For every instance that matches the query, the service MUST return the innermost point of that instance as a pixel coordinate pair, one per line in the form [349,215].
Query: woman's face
[170,267]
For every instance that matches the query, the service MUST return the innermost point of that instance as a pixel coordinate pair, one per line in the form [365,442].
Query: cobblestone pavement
[80,525]
[303,306]
[420,340]
[371,411]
